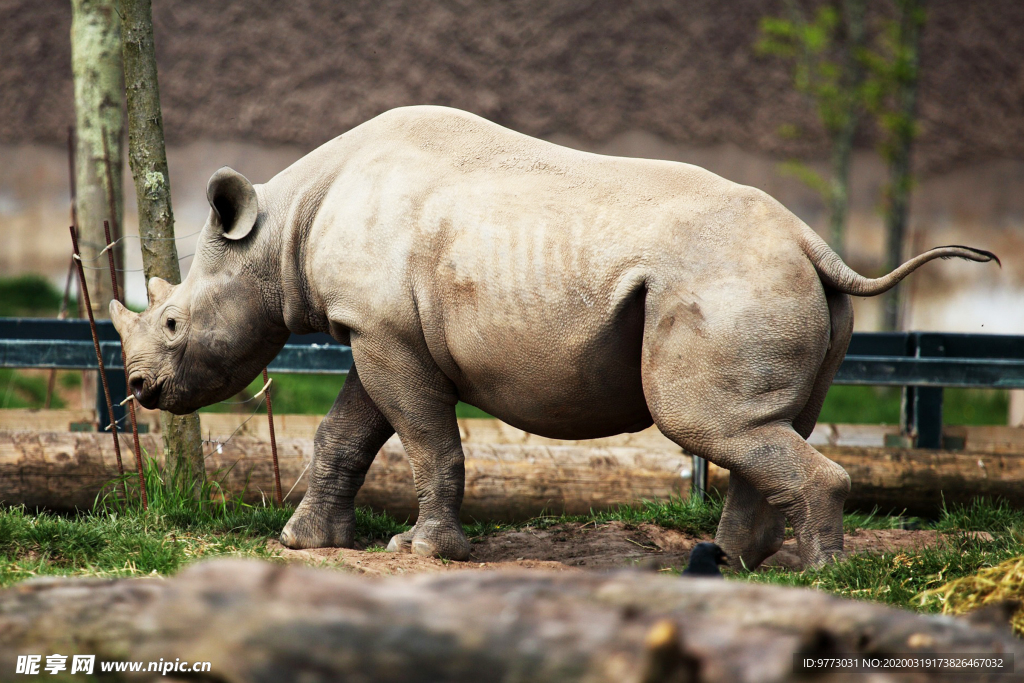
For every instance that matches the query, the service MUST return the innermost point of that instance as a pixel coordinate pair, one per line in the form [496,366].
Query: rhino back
[519,265]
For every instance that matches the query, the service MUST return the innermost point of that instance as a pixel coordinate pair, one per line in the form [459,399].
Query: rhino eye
[172,324]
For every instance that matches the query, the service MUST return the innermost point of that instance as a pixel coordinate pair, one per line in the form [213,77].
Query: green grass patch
[122,540]
[901,578]
[29,296]
[20,390]
[116,540]
[849,404]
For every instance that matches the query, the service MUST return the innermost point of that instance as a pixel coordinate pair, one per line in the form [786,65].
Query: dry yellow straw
[1003,582]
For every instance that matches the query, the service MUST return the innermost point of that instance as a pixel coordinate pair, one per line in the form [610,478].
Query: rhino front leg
[419,400]
[346,443]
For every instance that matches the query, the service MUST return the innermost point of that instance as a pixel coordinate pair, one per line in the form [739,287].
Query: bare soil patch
[574,547]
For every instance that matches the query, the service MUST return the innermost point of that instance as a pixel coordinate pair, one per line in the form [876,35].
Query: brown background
[303,71]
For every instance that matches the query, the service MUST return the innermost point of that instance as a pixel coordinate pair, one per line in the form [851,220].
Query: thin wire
[297,480]
[101,254]
[131,270]
[95,245]
[221,444]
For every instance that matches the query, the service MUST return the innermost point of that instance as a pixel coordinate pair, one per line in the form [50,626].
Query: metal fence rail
[923,363]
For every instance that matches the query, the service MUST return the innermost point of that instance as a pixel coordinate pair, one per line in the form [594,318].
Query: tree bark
[256,621]
[99,91]
[182,438]
[843,136]
[897,199]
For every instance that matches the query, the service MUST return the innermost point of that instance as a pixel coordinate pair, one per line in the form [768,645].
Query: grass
[847,404]
[29,296]
[115,540]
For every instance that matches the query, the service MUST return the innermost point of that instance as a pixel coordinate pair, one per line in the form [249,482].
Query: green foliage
[21,390]
[807,175]
[892,68]
[852,521]
[28,296]
[811,45]
[975,406]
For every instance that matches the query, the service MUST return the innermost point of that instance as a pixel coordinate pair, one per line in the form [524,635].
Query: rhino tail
[835,274]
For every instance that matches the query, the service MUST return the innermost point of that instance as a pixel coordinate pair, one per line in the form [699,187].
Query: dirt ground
[574,547]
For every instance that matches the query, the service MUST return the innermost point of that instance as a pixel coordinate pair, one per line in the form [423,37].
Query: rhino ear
[159,290]
[233,200]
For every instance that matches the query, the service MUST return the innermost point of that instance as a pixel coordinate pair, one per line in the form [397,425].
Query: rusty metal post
[124,361]
[99,357]
[273,439]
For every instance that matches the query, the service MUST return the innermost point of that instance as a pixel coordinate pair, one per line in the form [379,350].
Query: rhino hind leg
[728,382]
[840,309]
[346,443]
[750,527]
[786,474]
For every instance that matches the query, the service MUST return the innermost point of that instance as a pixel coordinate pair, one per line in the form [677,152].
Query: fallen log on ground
[65,470]
[918,481]
[260,621]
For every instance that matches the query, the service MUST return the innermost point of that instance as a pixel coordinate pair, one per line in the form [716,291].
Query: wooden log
[259,621]
[975,439]
[63,470]
[917,481]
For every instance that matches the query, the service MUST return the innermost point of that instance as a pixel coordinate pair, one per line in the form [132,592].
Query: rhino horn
[233,200]
[124,320]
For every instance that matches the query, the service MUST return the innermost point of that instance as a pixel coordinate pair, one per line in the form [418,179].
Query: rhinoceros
[572,295]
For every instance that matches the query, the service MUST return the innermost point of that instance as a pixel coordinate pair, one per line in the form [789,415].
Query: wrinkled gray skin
[569,294]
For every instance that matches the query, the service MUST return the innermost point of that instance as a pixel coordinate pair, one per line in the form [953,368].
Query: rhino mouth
[146,392]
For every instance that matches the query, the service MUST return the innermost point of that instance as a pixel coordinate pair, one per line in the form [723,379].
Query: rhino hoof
[401,543]
[288,539]
[455,551]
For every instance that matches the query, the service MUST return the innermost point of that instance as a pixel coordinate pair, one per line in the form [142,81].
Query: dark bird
[705,559]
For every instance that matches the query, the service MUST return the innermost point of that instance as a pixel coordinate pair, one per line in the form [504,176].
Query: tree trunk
[182,438]
[99,91]
[842,139]
[897,199]
[258,621]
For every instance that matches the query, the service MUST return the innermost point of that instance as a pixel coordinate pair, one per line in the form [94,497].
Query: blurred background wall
[257,84]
